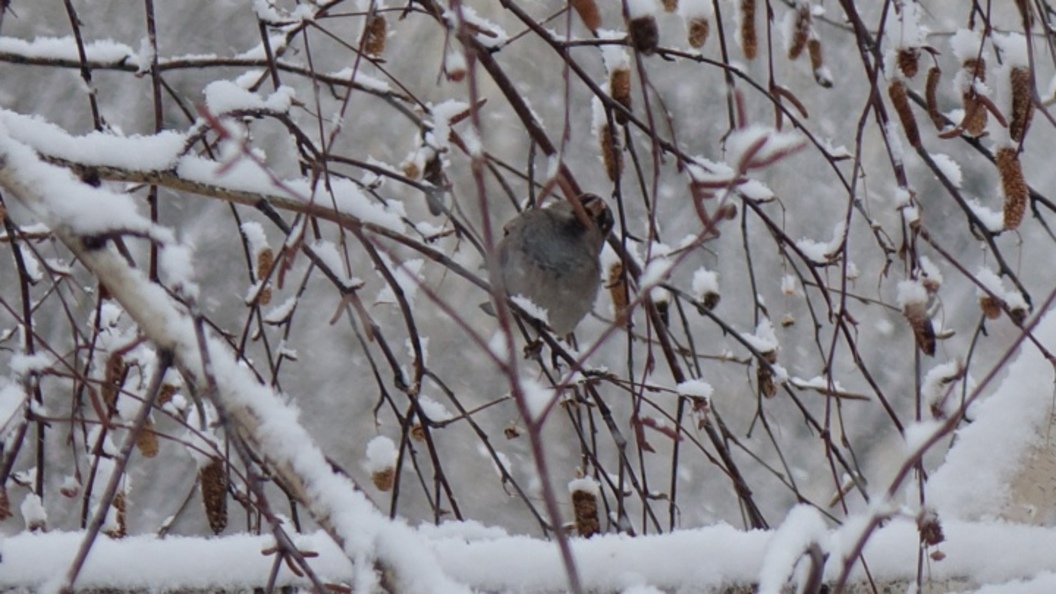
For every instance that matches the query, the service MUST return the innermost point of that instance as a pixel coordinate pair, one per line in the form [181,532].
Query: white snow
[695,387]
[911,292]
[763,340]
[705,282]
[381,454]
[949,168]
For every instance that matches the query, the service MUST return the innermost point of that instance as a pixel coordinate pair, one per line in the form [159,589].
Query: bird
[550,256]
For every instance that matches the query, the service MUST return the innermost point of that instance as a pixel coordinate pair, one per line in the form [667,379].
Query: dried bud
[1013,185]
[930,528]
[512,431]
[384,479]
[1022,103]
[610,152]
[213,482]
[991,307]
[620,87]
[165,395]
[897,92]
[800,32]
[418,432]
[670,5]
[644,34]
[697,33]
[1018,315]
[585,507]
[588,13]
[907,61]
[374,36]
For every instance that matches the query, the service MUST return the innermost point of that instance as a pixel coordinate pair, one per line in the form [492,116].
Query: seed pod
[897,92]
[975,114]
[931,88]
[907,61]
[800,32]
[1013,185]
[749,38]
[1022,103]
[213,482]
[374,36]
[585,509]
[610,152]
[588,13]
[620,87]
[697,33]
[644,34]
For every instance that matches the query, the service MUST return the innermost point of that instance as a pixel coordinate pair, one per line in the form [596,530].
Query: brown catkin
[1022,103]
[610,153]
[115,376]
[588,13]
[817,62]
[213,483]
[585,507]
[377,28]
[765,375]
[1014,186]
[749,39]
[620,85]
[265,260]
[644,34]
[697,34]
[617,285]
[975,114]
[931,88]
[147,440]
[5,504]
[800,32]
[897,92]
[907,61]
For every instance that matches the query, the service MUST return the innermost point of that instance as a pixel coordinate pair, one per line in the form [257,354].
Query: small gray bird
[550,256]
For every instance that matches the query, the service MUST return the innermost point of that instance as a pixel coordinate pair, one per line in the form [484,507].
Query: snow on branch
[256,413]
